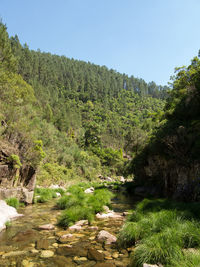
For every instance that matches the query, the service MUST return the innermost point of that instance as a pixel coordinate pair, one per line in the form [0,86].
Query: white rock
[89,190]
[58,194]
[47,227]
[82,222]
[122,179]
[7,213]
[110,214]
[75,227]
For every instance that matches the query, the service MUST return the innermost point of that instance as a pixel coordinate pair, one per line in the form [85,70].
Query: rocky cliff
[15,181]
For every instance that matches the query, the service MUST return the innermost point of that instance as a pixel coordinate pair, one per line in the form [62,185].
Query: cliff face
[21,188]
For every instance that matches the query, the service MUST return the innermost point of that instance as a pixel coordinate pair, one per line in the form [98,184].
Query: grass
[160,230]
[79,205]
[14,202]
[46,194]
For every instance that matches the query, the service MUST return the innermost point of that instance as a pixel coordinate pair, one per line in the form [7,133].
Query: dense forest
[70,118]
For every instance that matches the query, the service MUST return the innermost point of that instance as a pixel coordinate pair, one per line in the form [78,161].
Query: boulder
[7,213]
[106,236]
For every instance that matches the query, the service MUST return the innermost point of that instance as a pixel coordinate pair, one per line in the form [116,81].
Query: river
[23,244]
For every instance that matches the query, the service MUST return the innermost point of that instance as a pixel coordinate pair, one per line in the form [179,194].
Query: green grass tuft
[14,202]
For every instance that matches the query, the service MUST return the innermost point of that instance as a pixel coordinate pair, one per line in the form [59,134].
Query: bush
[14,202]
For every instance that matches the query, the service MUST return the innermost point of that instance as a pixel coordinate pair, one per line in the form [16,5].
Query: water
[23,244]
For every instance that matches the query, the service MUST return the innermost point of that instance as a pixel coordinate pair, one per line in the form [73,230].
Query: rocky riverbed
[35,240]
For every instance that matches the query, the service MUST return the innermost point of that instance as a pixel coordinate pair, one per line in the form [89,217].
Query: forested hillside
[70,118]
[171,159]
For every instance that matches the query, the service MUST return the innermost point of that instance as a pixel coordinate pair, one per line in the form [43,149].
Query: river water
[24,245]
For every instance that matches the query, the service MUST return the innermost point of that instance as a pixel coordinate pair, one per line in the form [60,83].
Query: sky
[143,38]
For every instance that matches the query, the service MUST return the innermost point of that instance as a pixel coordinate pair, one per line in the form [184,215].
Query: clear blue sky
[144,38]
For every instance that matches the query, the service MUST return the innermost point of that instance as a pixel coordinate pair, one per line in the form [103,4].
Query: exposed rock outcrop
[15,182]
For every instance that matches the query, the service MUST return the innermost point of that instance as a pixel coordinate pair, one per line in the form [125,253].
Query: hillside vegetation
[171,159]
[70,119]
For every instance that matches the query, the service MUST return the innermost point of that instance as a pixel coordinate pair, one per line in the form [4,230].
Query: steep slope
[171,160]
[69,120]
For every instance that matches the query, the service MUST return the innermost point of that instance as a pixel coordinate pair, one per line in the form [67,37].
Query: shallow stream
[24,245]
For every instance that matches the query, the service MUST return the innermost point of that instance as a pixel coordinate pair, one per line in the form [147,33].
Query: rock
[93,228]
[7,213]
[65,238]
[122,179]
[34,251]
[72,251]
[46,227]
[94,254]
[42,244]
[58,194]
[47,254]
[27,196]
[89,190]
[82,222]
[115,255]
[26,263]
[79,260]
[75,228]
[106,236]
[55,245]
[111,214]
[14,254]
